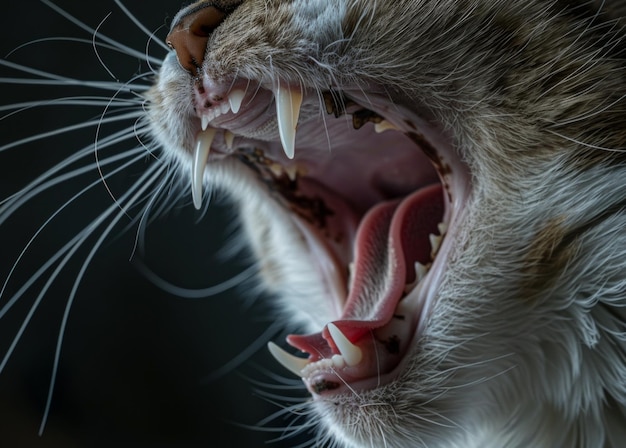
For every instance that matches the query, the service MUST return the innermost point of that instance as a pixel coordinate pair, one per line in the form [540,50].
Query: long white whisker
[80,40]
[91,101]
[245,354]
[145,181]
[32,189]
[58,180]
[59,80]
[74,127]
[140,25]
[68,250]
[102,85]
[129,50]
[95,47]
[201,293]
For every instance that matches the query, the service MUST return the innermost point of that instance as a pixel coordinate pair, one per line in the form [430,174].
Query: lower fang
[351,353]
[287,360]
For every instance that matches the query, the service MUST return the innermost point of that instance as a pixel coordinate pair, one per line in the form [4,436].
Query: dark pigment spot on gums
[392,345]
[324,385]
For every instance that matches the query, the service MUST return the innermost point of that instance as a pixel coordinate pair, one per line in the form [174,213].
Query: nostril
[205,21]
[190,34]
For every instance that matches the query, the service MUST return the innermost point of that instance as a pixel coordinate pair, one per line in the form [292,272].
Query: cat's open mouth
[365,180]
[375,191]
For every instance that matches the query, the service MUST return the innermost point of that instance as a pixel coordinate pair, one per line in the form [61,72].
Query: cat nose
[190,34]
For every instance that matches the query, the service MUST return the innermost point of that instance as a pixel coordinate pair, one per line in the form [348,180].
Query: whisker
[74,127]
[58,80]
[142,184]
[140,25]
[199,293]
[56,181]
[244,355]
[129,50]
[37,185]
[90,101]
[148,59]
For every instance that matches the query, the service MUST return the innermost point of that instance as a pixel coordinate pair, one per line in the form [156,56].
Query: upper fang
[288,102]
[198,164]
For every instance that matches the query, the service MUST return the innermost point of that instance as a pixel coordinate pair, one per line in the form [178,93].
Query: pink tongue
[390,239]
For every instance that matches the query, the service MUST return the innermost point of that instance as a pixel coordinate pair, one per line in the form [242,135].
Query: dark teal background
[137,364]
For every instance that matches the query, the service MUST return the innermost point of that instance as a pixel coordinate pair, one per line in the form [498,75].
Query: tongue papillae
[391,239]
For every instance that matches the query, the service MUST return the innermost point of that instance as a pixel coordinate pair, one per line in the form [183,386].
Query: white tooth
[229,138]
[420,271]
[200,157]
[292,172]
[205,121]
[443,228]
[287,360]
[350,352]
[384,126]
[338,361]
[225,108]
[276,169]
[288,104]
[235,98]
[435,242]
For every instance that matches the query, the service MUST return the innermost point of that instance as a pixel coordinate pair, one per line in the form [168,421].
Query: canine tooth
[350,352]
[435,242]
[384,126]
[229,138]
[443,228]
[288,104]
[200,157]
[235,98]
[287,360]
[205,121]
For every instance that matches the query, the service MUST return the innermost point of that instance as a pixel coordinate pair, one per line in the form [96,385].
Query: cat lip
[306,178]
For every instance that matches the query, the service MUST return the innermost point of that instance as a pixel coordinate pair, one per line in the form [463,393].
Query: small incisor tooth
[292,172]
[205,121]
[276,169]
[287,360]
[288,103]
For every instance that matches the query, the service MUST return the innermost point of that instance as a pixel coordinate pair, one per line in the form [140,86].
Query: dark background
[139,366]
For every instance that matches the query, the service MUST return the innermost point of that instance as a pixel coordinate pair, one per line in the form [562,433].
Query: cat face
[431,196]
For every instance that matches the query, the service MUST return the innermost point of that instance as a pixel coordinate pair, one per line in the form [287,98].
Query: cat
[431,190]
